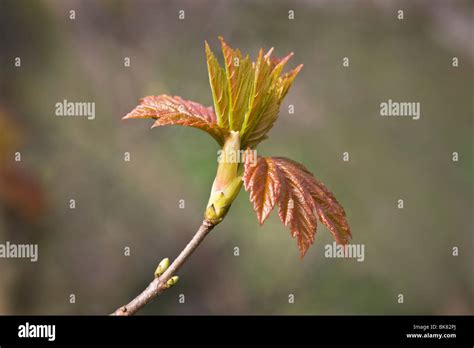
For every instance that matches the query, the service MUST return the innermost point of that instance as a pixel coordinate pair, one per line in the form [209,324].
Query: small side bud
[172,281]
[162,267]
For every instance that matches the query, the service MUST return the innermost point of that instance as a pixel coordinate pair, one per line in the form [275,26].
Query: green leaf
[247,96]
[239,73]
[218,82]
[264,111]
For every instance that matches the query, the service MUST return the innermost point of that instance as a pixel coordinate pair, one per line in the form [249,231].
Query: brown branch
[158,285]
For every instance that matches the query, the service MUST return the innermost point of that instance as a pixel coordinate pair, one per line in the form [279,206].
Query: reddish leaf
[301,199]
[264,184]
[169,110]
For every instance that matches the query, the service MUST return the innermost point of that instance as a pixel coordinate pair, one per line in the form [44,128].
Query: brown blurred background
[135,204]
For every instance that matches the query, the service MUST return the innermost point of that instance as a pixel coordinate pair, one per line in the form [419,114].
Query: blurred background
[136,204]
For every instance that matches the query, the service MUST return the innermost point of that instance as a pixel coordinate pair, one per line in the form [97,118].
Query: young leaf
[220,94]
[167,110]
[264,184]
[247,96]
[269,90]
[239,73]
[301,199]
[287,80]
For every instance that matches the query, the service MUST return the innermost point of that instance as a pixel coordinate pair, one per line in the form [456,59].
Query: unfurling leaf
[270,89]
[167,110]
[247,95]
[218,82]
[300,197]
[240,76]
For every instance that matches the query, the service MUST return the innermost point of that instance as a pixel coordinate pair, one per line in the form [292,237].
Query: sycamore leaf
[247,95]
[220,94]
[167,110]
[263,121]
[240,74]
[267,96]
[300,197]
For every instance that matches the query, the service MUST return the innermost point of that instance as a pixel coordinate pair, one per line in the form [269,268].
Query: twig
[158,285]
